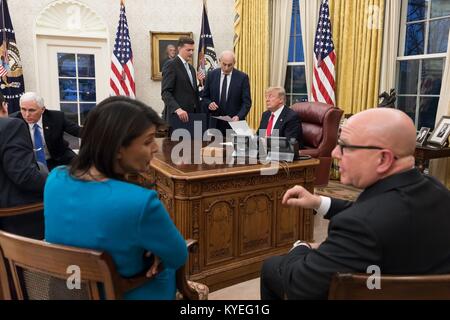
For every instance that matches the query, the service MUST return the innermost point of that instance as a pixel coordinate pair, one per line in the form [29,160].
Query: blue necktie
[39,145]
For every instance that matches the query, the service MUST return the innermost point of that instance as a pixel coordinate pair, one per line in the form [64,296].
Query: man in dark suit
[226,93]
[21,182]
[47,129]
[399,223]
[279,119]
[179,89]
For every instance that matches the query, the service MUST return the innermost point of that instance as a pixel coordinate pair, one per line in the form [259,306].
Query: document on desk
[241,128]
[224,118]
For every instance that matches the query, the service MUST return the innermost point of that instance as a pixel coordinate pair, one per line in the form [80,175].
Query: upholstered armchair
[320,123]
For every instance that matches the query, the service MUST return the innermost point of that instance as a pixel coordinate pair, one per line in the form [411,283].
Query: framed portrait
[441,132]
[164,48]
[422,136]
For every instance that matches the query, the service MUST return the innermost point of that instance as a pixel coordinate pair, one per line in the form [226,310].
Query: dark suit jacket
[177,90]
[20,179]
[55,124]
[288,124]
[239,100]
[400,224]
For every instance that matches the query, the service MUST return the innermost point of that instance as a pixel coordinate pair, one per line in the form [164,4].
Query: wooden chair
[39,272]
[349,286]
[15,211]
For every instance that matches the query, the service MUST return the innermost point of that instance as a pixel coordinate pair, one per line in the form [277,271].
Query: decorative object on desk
[388,99]
[162,44]
[422,136]
[441,132]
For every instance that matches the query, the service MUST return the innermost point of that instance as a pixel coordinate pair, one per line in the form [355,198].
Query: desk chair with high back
[320,124]
[41,271]
[353,286]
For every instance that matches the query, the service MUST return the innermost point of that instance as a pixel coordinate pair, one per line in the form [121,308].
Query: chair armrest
[182,284]
[15,211]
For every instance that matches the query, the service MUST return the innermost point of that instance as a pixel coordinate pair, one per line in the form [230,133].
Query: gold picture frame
[159,43]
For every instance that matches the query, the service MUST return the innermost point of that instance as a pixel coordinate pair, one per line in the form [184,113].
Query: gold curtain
[357,35]
[251,46]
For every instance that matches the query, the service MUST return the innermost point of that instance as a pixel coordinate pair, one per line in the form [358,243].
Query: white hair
[227,52]
[32,96]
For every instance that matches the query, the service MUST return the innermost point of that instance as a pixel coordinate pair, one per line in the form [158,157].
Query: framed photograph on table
[163,49]
[422,136]
[441,132]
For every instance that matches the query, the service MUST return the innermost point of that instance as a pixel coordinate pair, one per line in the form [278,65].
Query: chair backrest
[19,210]
[320,123]
[40,271]
[349,286]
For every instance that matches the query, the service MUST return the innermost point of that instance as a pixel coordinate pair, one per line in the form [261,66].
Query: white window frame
[401,53]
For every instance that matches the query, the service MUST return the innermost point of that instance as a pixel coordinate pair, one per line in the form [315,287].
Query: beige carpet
[249,290]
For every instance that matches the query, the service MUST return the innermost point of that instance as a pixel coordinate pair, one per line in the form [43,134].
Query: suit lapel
[46,126]
[186,76]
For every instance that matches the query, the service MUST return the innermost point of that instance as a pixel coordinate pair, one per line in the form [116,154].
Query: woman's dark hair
[113,123]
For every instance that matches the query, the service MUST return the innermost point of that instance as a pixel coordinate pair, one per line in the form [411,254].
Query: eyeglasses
[342,146]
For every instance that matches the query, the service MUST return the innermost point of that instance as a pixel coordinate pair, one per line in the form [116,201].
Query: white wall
[143,16]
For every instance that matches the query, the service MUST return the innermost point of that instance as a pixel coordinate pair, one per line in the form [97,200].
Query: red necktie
[270,125]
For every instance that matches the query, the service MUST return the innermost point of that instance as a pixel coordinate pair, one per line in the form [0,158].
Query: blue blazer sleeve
[158,234]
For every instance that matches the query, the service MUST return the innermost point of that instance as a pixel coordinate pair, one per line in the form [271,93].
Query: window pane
[67,90]
[299,80]
[427,112]
[71,111]
[296,13]
[299,57]
[87,90]
[417,10]
[291,49]
[288,82]
[299,98]
[408,77]
[431,76]
[438,38]
[408,105]
[86,65]
[440,8]
[414,43]
[84,110]
[66,65]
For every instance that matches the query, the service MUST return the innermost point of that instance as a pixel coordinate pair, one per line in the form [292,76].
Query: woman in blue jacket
[91,205]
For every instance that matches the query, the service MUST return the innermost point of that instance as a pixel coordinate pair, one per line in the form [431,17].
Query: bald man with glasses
[399,223]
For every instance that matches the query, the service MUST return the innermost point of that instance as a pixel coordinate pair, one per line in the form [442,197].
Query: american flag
[323,88]
[122,70]
[206,54]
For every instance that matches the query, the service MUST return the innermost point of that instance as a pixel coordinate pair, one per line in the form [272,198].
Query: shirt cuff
[300,243]
[325,205]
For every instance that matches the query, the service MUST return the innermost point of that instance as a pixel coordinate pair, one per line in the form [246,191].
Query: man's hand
[4,110]
[183,115]
[200,76]
[153,271]
[235,118]
[213,106]
[300,197]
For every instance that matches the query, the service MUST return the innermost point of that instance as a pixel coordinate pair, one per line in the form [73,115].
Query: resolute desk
[234,212]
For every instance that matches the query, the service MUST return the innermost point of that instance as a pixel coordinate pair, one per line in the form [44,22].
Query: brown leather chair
[350,286]
[39,272]
[320,124]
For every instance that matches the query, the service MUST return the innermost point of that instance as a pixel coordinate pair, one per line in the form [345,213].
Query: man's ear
[385,161]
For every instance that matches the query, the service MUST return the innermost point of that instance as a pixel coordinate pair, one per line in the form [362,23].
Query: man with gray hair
[226,92]
[47,129]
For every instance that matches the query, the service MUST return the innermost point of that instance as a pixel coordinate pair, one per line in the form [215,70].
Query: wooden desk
[422,154]
[234,212]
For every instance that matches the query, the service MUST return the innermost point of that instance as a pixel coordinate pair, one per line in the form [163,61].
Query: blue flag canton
[324,41]
[122,46]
